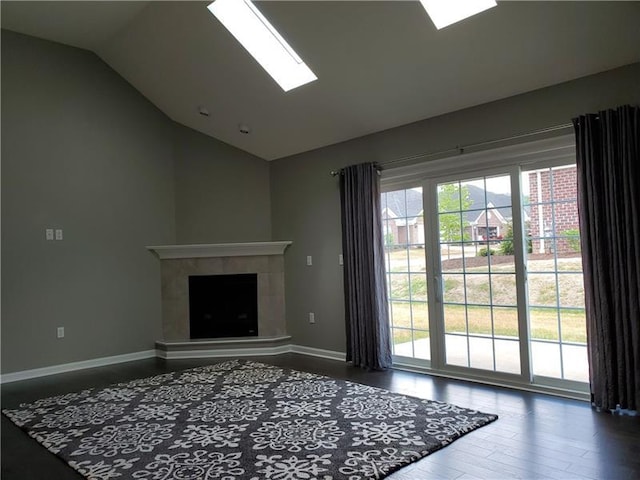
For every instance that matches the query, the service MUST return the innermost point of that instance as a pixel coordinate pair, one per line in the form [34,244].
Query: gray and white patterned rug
[242,420]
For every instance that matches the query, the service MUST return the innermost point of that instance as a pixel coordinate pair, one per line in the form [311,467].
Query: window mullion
[432,249]
[520,254]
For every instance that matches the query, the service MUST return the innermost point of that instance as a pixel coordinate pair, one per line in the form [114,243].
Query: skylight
[245,22]
[446,12]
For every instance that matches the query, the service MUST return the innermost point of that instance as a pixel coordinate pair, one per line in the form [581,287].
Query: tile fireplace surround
[177,262]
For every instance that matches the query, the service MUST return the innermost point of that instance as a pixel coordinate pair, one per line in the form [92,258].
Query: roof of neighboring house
[477,196]
[395,203]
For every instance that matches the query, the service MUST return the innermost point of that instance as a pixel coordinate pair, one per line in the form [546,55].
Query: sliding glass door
[485,276]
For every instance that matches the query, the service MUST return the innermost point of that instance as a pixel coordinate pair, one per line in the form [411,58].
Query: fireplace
[180,263]
[223,305]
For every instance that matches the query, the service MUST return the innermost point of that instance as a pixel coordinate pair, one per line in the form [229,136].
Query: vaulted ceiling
[380,64]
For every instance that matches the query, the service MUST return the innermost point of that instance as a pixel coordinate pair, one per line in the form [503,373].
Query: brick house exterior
[402,217]
[402,231]
[552,211]
[558,185]
[489,225]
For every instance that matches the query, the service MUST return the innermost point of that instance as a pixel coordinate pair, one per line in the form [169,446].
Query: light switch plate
[49,233]
[58,234]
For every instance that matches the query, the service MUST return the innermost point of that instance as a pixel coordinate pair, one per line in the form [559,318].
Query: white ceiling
[380,64]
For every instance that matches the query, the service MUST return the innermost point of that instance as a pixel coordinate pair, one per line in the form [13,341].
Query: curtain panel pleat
[365,290]
[607,147]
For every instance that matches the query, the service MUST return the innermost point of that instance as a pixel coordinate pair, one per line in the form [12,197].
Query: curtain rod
[461,149]
[335,173]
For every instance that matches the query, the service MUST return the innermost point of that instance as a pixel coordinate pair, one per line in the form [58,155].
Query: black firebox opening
[223,305]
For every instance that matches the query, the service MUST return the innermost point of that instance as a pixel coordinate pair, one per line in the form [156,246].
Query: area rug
[242,420]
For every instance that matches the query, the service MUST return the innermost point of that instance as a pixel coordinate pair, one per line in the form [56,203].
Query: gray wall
[222,193]
[85,152]
[305,198]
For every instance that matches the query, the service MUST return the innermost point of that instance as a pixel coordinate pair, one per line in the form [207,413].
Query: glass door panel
[405,262]
[478,281]
[555,281]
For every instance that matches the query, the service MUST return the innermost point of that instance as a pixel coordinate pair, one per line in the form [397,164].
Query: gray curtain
[608,147]
[365,290]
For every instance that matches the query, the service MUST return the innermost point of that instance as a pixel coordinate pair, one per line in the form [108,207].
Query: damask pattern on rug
[242,420]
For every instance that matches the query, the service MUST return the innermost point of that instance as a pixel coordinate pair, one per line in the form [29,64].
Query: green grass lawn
[497,289]
[544,322]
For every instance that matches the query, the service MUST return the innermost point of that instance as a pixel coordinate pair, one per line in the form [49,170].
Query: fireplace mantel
[219,250]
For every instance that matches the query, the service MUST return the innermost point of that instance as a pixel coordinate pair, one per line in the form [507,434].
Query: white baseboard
[176,355]
[70,367]
[318,352]
[224,352]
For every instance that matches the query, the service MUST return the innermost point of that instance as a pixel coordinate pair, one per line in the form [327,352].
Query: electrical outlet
[309,261]
[58,234]
[340,260]
[49,233]
[312,317]
[60,332]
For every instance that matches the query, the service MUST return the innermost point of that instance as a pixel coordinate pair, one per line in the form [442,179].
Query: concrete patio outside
[545,356]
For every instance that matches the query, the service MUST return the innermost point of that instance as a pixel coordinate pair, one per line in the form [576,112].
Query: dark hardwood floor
[536,436]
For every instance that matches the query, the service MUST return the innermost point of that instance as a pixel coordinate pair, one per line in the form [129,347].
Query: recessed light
[446,12]
[245,22]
